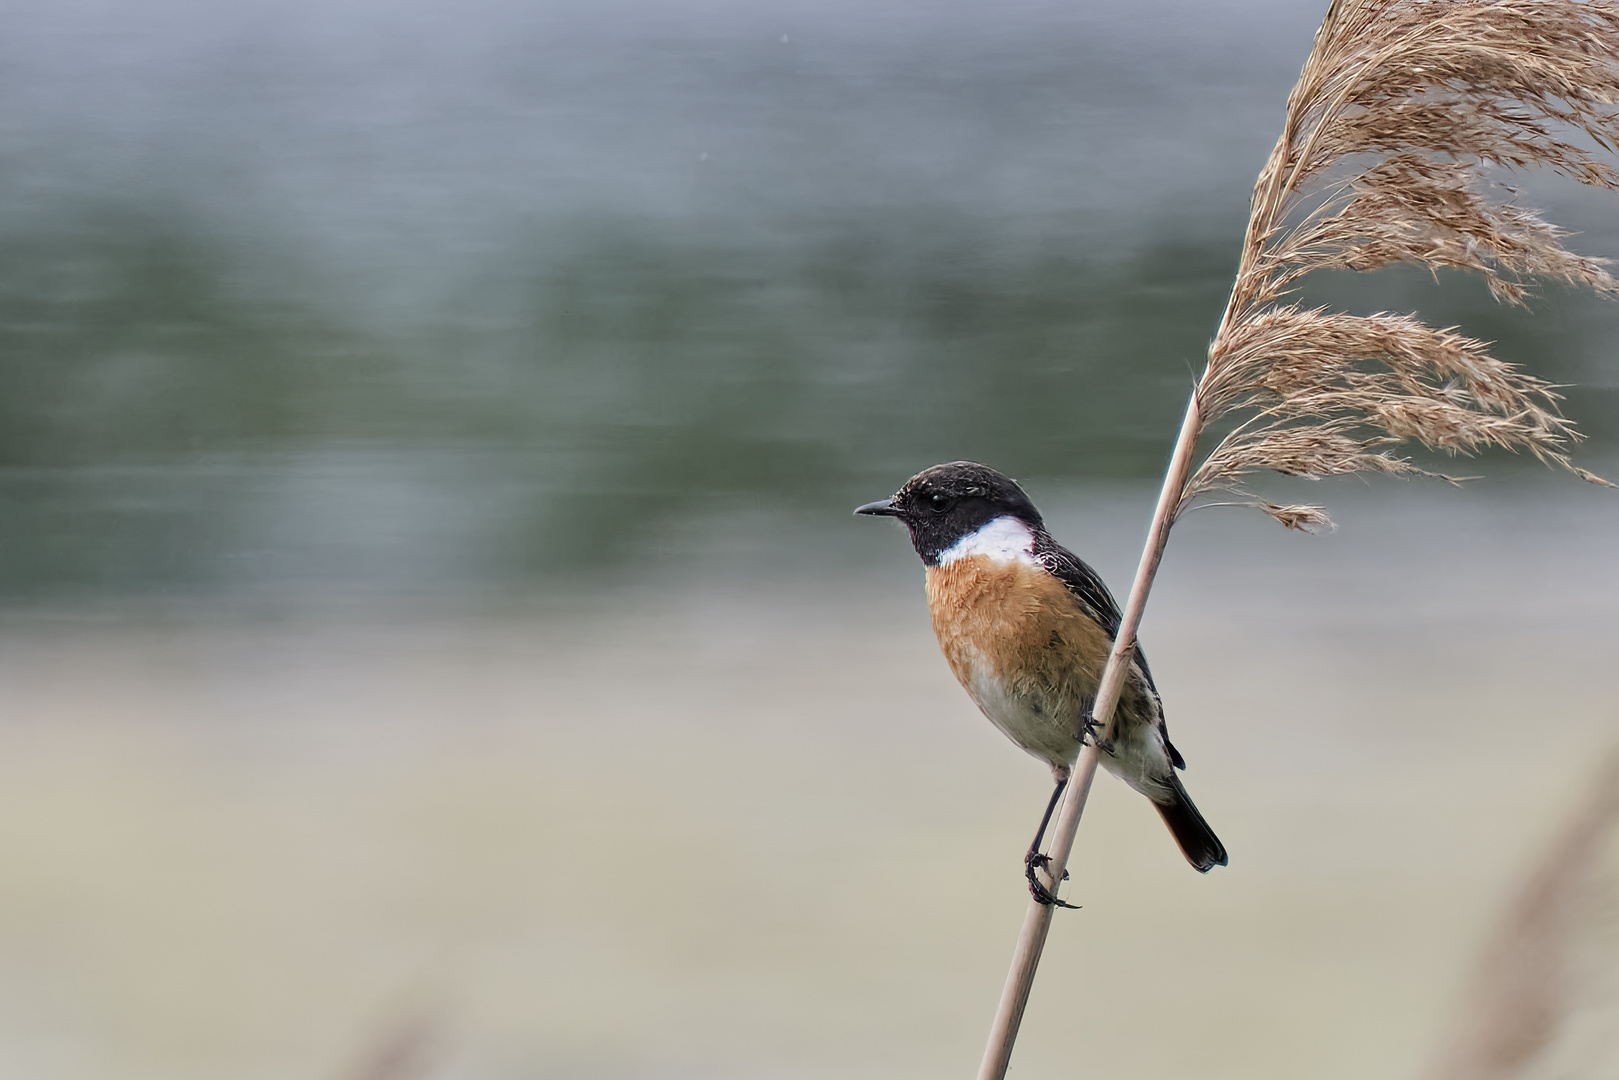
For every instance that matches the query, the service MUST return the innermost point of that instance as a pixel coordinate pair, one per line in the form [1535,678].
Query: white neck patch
[1005,539]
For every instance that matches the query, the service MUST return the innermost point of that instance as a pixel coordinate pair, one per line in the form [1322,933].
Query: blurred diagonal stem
[1525,1000]
[1399,110]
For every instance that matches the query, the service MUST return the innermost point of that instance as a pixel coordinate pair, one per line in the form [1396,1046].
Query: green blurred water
[413,300]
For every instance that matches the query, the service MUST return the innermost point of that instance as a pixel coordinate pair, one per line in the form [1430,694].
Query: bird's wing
[1083,583]
[1085,586]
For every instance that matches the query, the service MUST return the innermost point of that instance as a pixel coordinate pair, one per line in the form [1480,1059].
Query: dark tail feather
[1202,848]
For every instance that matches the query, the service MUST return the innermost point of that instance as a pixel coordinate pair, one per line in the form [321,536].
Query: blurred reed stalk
[1402,109]
[406,1047]
[1550,958]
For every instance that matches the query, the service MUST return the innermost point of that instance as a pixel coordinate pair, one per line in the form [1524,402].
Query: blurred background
[433,637]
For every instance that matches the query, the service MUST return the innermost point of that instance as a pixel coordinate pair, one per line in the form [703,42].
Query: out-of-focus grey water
[376,298]
[433,637]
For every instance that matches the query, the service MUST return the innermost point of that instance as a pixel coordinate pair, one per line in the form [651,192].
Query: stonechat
[1026,627]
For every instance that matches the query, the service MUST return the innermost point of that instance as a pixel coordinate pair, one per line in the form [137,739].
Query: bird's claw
[1033,862]
[1090,733]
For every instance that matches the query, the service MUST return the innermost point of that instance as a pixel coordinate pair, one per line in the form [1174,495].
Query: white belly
[1026,718]
[1138,757]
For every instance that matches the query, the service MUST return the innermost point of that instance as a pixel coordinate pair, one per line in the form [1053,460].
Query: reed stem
[1031,940]
[1422,96]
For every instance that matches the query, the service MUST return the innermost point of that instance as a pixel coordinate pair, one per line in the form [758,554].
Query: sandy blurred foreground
[756,831]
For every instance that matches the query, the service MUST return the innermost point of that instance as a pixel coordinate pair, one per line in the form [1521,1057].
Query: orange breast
[1012,630]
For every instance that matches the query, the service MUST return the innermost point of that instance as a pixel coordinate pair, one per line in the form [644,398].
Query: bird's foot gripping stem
[1090,733]
[1034,862]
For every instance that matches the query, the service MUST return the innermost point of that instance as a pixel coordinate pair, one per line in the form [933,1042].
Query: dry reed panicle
[1544,1002]
[1400,106]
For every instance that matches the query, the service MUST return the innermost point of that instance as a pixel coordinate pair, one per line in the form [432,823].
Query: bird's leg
[1034,861]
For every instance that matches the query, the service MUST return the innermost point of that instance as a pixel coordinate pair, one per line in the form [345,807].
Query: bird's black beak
[880,508]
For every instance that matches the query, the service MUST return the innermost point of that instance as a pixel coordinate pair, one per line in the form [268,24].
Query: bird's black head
[947,502]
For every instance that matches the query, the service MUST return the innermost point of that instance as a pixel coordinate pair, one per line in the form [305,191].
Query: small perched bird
[1027,627]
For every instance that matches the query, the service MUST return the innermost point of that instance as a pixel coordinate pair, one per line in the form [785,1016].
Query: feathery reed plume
[1544,1000]
[1400,107]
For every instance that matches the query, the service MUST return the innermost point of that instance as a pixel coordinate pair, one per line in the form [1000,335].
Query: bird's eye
[940,503]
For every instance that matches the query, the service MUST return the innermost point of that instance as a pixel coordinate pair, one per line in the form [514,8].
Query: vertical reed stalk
[1399,113]
[1037,920]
